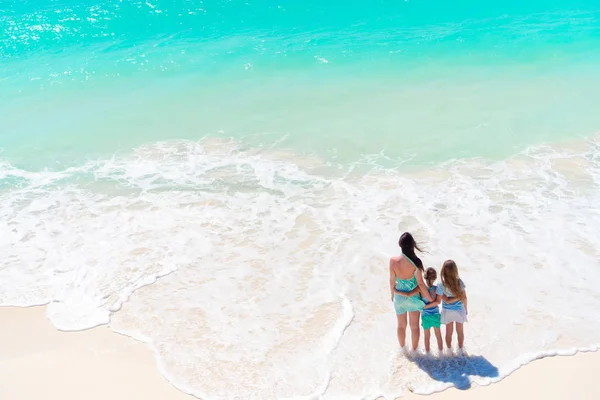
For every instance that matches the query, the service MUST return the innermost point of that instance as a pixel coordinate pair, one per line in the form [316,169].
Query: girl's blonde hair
[450,279]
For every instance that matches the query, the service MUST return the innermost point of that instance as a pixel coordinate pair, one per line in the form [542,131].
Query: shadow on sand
[456,370]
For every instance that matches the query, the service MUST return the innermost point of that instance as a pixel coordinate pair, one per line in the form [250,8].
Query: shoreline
[101,364]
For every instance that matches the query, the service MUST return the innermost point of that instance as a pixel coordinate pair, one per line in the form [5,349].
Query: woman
[406,273]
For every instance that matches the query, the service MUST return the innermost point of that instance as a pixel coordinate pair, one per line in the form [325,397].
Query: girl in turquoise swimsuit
[406,275]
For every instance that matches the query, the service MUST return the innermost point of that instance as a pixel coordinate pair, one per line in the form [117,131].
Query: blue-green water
[226,180]
[412,79]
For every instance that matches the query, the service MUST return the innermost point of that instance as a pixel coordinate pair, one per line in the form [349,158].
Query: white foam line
[334,336]
[28,305]
[123,298]
[147,281]
[542,355]
[160,364]
[520,364]
[489,381]
[330,344]
[67,329]
[334,340]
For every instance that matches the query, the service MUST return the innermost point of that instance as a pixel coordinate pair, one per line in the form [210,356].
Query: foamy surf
[259,275]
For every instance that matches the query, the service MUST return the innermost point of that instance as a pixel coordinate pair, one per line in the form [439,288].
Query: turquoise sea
[225,180]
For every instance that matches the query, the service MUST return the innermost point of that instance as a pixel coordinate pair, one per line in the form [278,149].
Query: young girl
[430,316]
[454,302]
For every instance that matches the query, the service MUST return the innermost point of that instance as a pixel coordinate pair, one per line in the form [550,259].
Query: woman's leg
[426,339]
[438,336]
[415,329]
[449,330]
[401,329]
[460,333]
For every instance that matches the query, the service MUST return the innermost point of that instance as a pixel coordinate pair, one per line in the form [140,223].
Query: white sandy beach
[39,362]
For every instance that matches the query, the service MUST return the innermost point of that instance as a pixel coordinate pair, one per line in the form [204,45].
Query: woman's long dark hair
[408,245]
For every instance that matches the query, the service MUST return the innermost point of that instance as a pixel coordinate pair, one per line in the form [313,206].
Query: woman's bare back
[402,267]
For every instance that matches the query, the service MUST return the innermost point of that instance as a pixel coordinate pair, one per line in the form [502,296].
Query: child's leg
[438,336]
[461,335]
[449,331]
[427,337]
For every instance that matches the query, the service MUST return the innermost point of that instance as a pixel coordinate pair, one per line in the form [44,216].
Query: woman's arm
[465,303]
[423,287]
[392,280]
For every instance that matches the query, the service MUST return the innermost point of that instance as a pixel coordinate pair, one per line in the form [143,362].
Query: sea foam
[257,274]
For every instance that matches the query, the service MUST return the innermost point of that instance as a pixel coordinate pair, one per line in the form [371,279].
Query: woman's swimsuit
[403,304]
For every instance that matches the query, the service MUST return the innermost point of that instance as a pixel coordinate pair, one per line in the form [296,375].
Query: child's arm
[450,300]
[465,303]
[407,294]
[436,301]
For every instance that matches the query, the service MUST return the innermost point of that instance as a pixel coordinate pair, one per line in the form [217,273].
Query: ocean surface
[226,180]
